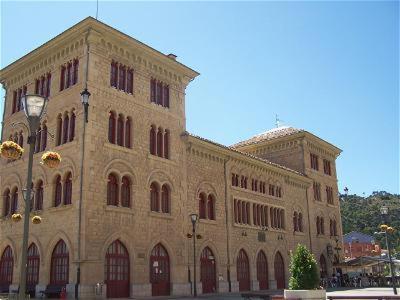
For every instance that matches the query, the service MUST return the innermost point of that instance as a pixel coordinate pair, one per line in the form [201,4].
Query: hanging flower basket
[390,229]
[16,217]
[36,220]
[51,159]
[384,227]
[11,150]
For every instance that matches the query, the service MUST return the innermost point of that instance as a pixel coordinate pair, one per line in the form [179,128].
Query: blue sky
[331,68]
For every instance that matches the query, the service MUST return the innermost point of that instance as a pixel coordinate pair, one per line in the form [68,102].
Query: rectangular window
[327,167]
[129,82]
[153,90]
[329,194]
[68,76]
[314,161]
[62,78]
[122,78]
[317,191]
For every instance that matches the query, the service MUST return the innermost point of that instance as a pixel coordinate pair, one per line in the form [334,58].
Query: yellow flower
[36,220]
[16,217]
[384,227]
[390,229]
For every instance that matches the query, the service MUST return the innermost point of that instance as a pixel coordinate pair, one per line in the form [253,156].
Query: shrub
[303,270]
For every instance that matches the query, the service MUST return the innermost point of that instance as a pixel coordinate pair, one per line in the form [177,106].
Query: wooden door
[262,271]
[207,271]
[279,269]
[117,271]
[243,271]
[159,271]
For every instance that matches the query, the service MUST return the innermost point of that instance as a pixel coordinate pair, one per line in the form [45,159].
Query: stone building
[118,206]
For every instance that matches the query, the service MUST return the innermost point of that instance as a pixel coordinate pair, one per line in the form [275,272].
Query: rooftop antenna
[97,8]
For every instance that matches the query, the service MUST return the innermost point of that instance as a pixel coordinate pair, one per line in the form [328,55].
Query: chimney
[172,56]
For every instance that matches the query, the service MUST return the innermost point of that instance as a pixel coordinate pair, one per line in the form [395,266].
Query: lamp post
[85,102]
[194,218]
[384,212]
[34,107]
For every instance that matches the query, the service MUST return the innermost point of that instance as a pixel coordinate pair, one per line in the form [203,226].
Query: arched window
[21,139]
[126,192]
[300,222]
[112,190]
[128,133]
[211,207]
[44,137]
[59,269]
[117,270]
[120,131]
[166,144]
[72,127]
[243,271]
[14,201]
[202,206]
[154,196]
[32,276]
[153,140]
[6,202]
[160,142]
[322,266]
[165,199]
[38,140]
[295,224]
[57,192]
[111,127]
[65,129]
[68,189]
[6,268]
[39,196]
[59,130]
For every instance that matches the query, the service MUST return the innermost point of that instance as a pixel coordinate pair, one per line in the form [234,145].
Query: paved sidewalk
[373,291]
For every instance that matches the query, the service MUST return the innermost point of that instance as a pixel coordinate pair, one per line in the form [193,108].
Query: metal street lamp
[194,218]
[384,212]
[34,108]
[85,102]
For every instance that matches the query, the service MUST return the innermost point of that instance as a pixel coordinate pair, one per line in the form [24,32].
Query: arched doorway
[262,270]
[243,271]
[59,271]
[322,266]
[6,269]
[33,263]
[207,271]
[279,269]
[159,271]
[117,271]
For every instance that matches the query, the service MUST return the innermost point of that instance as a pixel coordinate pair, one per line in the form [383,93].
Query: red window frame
[153,90]
[111,127]
[128,125]
[211,207]
[14,201]
[202,205]
[120,131]
[68,189]
[166,144]
[165,96]
[165,199]
[62,78]
[57,191]
[39,196]
[6,267]
[160,142]
[117,270]
[59,130]
[129,81]
[14,103]
[33,264]
[59,270]
[125,192]
[154,197]
[112,190]
[7,202]
[75,71]
[72,127]
[153,140]
[122,78]
[65,129]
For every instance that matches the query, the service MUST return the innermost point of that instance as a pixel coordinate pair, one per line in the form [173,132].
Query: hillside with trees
[363,214]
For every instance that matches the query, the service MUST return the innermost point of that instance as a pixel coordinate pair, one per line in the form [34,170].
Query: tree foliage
[303,270]
[362,214]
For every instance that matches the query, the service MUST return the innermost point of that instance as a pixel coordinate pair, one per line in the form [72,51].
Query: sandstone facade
[195,166]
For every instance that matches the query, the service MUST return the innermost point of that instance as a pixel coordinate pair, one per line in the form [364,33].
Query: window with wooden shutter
[153,140]
[112,190]
[62,78]
[129,81]
[111,127]
[65,129]
[128,133]
[154,197]
[68,189]
[72,127]
[126,192]
[57,192]
[165,199]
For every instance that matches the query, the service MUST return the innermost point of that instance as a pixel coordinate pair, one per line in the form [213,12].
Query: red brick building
[357,244]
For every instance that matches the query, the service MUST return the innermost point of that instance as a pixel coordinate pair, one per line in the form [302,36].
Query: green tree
[303,270]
